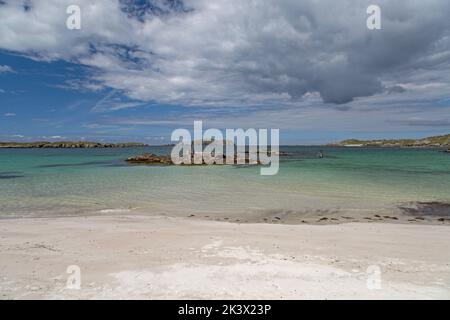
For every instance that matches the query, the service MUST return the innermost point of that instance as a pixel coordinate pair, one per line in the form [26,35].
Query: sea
[68,182]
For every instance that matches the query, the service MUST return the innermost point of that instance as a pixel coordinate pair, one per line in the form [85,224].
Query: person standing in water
[320,154]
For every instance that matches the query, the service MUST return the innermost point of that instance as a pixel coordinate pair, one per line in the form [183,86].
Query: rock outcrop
[152,159]
[149,158]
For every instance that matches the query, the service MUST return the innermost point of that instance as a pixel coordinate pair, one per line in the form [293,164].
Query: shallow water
[80,181]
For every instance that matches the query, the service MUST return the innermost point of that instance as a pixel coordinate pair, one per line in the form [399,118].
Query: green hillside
[435,141]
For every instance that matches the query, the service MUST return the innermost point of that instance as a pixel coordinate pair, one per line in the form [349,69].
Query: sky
[137,70]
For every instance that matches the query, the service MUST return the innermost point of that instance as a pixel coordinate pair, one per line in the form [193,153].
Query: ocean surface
[47,182]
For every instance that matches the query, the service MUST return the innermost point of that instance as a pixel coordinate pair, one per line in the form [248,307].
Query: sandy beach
[225,150]
[128,257]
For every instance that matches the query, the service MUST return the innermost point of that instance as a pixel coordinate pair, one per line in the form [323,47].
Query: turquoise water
[81,181]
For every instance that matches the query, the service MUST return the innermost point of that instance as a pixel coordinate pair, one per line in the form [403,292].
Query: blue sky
[38,102]
[139,69]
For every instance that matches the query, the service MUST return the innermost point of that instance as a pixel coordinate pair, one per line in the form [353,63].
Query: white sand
[159,258]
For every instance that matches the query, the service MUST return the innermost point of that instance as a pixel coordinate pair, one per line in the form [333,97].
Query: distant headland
[429,142]
[70,144]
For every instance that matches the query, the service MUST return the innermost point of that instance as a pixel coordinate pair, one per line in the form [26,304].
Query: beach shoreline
[412,212]
[150,257]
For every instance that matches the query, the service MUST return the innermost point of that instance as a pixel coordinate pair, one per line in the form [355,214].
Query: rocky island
[152,159]
[69,144]
[246,158]
[429,142]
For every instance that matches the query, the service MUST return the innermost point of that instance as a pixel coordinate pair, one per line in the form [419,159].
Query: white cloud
[9,114]
[157,138]
[12,136]
[234,53]
[52,137]
[113,101]
[5,69]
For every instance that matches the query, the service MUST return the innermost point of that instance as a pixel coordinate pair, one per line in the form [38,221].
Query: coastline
[128,256]
[69,145]
[408,213]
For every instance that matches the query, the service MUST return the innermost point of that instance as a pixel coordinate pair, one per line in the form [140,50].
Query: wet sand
[423,213]
[126,257]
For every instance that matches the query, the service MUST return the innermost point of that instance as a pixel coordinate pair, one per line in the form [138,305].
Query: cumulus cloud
[241,53]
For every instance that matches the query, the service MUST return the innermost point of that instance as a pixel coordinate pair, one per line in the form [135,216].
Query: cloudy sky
[136,70]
